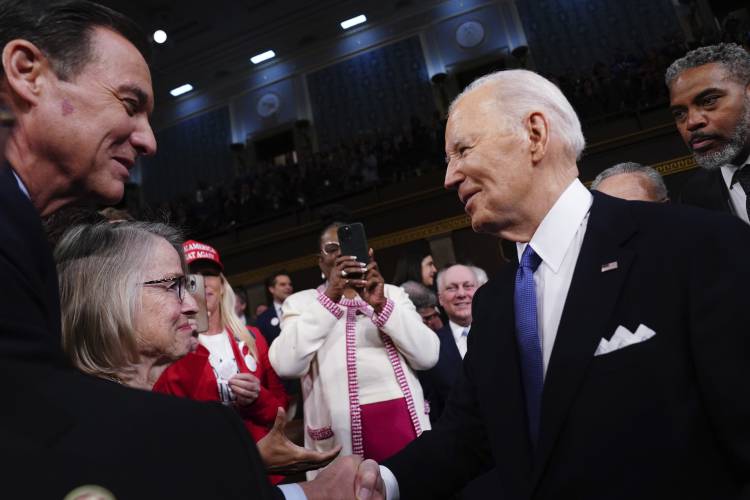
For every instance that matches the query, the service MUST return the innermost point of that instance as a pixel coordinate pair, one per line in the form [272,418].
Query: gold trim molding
[424,231]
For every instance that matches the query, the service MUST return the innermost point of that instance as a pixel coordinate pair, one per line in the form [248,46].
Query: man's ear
[24,65]
[538,131]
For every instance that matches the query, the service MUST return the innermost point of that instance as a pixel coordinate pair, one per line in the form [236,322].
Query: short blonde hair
[100,268]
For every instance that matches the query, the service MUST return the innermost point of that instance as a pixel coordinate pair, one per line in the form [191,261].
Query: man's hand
[246,387]
[335,482]
[368,484]
[281,456]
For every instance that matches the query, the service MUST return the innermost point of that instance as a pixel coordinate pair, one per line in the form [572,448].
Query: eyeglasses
[177,284]
[330,247]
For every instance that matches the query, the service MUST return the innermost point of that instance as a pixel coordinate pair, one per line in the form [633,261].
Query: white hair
[478,273]
[519,92]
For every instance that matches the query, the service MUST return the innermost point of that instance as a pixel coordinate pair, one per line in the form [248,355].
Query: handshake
[347,478]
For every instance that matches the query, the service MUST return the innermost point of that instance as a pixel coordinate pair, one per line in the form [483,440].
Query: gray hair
[732,57]
[420,295]
[480,274]
[524,91]
[440,279]
[658,188]
[100,267]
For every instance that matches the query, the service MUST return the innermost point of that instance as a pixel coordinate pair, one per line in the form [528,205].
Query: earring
[322,275]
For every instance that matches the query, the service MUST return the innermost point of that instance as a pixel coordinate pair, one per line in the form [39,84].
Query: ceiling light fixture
[353,21]
[160,36]
[182,89]
[265,56]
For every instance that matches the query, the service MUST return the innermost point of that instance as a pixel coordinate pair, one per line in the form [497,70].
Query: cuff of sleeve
[330,305]
[292,492]
[381,318]
[391,485]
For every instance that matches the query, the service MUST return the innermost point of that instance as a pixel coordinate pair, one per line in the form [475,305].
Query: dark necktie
[527,334]
[742,175]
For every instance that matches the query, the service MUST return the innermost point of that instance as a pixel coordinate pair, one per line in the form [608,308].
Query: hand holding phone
[373,290]
[354,242]
[197,288]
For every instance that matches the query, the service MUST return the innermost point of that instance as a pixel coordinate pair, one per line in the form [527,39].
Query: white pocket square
[623,338]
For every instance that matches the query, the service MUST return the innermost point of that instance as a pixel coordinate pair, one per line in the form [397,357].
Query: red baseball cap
[195,250]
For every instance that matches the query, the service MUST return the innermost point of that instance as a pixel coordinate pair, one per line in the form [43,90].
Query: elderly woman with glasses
[125,312]
[356,342]
[128,318]
[231,363]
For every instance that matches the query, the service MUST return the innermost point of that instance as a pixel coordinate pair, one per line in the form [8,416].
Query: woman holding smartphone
[355,342]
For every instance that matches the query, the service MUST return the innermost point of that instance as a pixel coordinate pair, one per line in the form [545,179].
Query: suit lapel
[511,447]
[591,300]
[452,361]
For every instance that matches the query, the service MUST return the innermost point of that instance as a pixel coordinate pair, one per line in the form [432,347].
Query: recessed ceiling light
[353,21]
[182,89]
[265,56]
[160,36]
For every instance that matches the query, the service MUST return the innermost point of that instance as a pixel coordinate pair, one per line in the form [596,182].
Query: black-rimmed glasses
[177,284]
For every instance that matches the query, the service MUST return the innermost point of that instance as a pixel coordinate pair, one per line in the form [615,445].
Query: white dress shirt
[459,337]
[737,196]
[21,185]
[277,306]
[557,241]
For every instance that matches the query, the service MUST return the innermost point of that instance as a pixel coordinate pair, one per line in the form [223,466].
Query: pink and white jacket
[349,356]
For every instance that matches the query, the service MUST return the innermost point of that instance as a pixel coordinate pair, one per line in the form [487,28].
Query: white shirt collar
[457,329]
[554,235]
[21,185]
[727,171]
[277,306]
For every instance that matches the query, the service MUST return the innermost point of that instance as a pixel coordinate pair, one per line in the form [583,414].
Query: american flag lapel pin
[609,267]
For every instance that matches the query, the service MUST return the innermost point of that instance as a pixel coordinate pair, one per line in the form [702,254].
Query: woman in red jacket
[231,363]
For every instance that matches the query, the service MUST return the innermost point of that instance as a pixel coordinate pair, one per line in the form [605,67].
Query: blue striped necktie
[527,335]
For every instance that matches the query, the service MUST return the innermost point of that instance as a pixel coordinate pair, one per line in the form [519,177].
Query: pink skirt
[386,428]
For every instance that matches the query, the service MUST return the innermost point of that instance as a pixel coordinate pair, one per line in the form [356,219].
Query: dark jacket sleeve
[720,340]
[443,460]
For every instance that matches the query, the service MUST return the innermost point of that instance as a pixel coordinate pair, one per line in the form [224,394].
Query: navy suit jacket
[438,381]
[664,418]
[269,331]
[81,430]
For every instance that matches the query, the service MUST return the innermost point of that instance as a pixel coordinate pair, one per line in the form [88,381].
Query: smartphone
[197,288]
[354,242]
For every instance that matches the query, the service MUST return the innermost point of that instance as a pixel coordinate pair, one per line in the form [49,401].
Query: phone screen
[197,288]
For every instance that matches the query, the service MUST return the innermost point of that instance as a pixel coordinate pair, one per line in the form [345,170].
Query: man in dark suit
[612,362]
[709,91]
[279,287]
[456,286]
[76,81]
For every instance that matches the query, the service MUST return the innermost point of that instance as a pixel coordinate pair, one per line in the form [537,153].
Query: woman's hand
[281,456]
[374,285]
[346,273]
[246,387]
